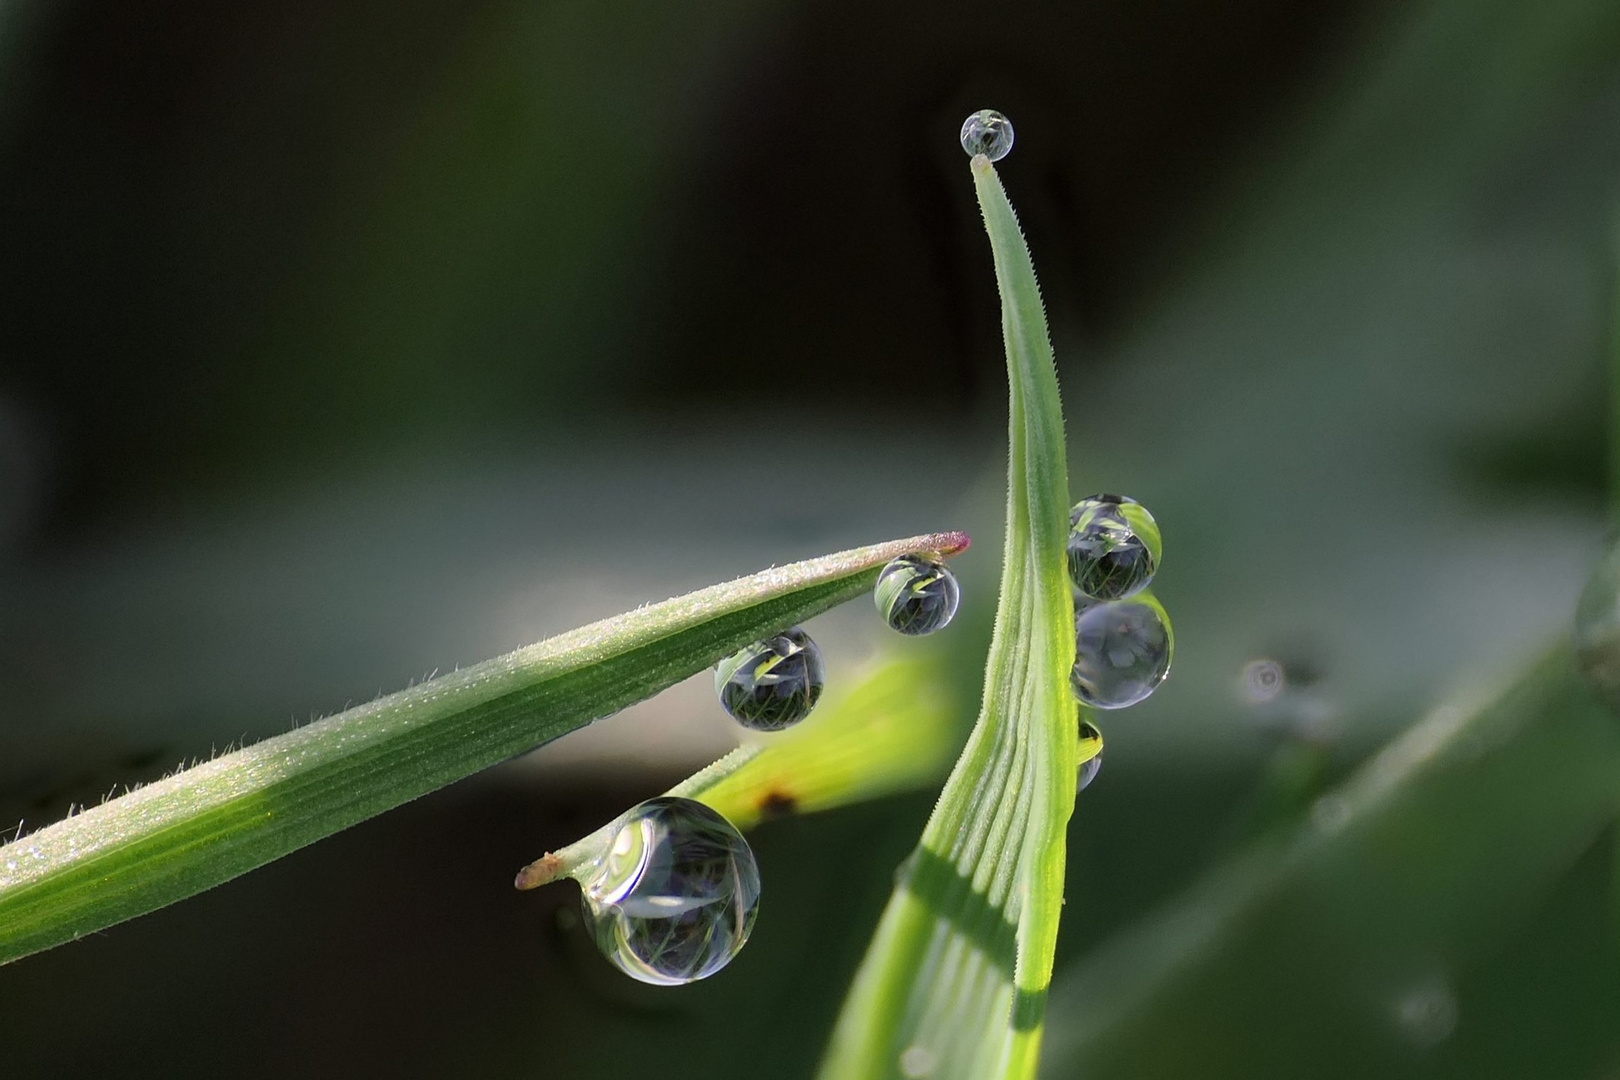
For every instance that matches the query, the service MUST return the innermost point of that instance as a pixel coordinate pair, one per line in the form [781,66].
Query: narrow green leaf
[954,983]
[207,824]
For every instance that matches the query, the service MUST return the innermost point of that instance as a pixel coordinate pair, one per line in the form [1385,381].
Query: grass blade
[954,983]
[210,823]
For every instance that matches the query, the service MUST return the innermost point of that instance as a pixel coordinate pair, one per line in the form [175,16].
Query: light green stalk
[207,824]
[954,984]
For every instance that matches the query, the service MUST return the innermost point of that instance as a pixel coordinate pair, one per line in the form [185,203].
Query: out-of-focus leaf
[1339,948]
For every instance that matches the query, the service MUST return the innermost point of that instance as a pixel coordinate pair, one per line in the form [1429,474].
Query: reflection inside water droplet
[1091,748]
[916,595]
[772,684]
[674,897]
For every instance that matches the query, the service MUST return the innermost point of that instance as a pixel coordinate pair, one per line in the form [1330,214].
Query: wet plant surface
[322,372]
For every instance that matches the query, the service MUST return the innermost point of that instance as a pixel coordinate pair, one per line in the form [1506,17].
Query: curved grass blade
[208,824]
[954,984]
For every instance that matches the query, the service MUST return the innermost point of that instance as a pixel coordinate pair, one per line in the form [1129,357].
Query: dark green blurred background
[342,343]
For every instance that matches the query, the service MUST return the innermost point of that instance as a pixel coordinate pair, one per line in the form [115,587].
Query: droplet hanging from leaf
[772,684]
[916,595]
[1114,546]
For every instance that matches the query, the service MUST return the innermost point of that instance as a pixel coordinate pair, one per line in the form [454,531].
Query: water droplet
[916,595]
[989,133]
[1597,630]
[772,684]
[1114,546]
[1262,681]
[1122,651]
[1091,748]
[674,897]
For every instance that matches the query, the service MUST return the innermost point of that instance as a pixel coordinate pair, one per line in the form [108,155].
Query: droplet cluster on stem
[1123,640]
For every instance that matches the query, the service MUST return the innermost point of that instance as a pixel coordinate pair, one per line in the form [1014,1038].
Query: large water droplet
[772,684]
[1114,546]
[989,133]
[916,595]
[674,897]
[1597,630]
[1122,651]
[1091,748]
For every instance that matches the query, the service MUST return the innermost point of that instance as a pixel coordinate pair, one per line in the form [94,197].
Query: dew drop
[917,595]
[1122,652]
[1114,546]
[1262,681]
[674,897]
[989,133]
[1091,748]
[772,684]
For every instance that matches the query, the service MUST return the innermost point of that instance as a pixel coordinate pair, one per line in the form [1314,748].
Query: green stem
[954,984]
